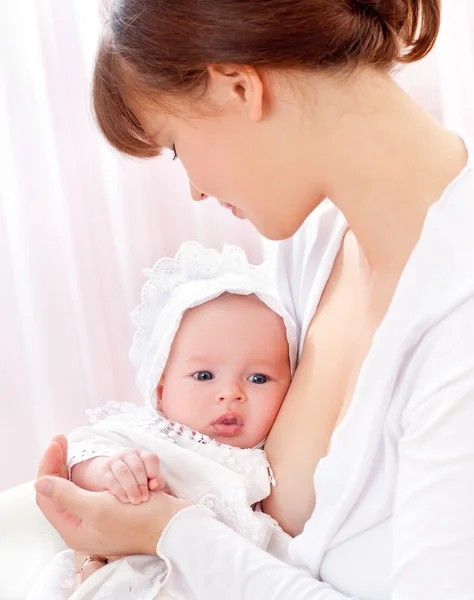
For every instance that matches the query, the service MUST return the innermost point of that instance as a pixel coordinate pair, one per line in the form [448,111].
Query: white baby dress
[228,480]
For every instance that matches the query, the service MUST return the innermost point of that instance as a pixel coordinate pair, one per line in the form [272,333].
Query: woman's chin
[275,232]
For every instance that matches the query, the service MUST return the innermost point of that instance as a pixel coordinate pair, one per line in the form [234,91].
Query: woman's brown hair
[158,49]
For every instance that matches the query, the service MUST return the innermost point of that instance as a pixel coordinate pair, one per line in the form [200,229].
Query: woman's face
[245,148]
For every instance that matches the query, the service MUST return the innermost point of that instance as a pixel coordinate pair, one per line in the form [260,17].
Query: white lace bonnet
[194,276]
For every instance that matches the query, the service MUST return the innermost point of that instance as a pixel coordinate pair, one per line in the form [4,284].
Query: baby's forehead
[234,316]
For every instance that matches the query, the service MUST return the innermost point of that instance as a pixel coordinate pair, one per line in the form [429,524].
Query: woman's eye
[203,376]
[258,378]
[175,154]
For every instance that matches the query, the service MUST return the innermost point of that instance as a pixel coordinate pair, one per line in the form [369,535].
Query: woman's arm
[213,562]
[292,441]
[433,517]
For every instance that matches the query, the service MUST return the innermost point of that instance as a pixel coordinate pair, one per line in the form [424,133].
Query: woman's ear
[159,396]
[231,84]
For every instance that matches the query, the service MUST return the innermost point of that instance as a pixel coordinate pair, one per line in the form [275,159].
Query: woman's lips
[225,204]
[232,209]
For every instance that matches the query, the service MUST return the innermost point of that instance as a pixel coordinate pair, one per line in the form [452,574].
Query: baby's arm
[102,456]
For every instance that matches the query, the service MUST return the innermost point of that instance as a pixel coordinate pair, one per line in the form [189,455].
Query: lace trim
[198,274]
[239,460]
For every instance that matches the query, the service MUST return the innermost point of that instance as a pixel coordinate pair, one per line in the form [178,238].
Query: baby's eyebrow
[263,362]
[252,363]
[200,359]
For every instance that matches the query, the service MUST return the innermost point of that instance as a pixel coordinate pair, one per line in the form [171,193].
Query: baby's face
[228,370]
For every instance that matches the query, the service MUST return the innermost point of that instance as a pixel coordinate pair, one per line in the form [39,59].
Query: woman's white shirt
[395,496]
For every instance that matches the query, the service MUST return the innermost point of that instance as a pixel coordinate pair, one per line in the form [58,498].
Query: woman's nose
[196,195]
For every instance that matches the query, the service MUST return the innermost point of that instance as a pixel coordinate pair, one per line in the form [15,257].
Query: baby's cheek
[268,414]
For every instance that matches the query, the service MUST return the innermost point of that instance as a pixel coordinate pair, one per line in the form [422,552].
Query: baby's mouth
[228,424]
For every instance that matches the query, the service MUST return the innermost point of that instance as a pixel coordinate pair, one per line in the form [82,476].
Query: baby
[214,350]
[226,377]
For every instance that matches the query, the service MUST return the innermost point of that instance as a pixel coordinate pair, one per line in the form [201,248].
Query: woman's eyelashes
[175,154]
[257,378]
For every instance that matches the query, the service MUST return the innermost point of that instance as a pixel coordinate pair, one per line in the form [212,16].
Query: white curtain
[78,223]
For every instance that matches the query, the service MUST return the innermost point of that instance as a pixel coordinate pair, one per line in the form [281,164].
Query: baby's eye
[203,376]
[258,378]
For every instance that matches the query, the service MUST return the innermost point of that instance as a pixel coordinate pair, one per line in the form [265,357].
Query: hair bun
[387,11]
[410,25]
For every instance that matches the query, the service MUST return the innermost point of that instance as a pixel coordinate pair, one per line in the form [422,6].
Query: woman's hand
[83,573]
[97,522]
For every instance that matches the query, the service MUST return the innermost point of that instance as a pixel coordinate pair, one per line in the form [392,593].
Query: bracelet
[92,558]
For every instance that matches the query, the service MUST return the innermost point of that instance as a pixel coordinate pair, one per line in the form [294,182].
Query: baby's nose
[196,195]
[232,393]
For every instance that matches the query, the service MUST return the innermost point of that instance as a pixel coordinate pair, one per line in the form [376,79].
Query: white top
[395,496]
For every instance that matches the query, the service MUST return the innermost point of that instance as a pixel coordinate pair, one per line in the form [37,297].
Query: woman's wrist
[156,516]
[183,517]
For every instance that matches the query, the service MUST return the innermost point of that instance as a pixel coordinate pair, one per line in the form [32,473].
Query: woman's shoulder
[435,296]
[453,214]
[444,256]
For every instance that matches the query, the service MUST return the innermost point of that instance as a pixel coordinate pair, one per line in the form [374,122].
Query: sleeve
[286,272]
[100,439]
[214,562]
[89,442]
[433,520]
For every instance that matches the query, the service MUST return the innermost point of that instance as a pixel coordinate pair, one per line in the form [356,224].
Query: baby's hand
[129,475]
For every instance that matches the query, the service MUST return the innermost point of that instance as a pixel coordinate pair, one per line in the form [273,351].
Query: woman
[272,107]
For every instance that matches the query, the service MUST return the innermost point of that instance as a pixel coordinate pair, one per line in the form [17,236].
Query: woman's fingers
[126,479]
[62,503]
[78,580]
[65,495]
[62,441]
[53,461]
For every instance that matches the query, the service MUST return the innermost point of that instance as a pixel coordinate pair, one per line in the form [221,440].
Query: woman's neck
[387,162]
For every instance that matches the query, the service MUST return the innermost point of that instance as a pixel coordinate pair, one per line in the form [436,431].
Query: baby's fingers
[151,463]
[114,487]
[157,483]
[137,467]
[126,479]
